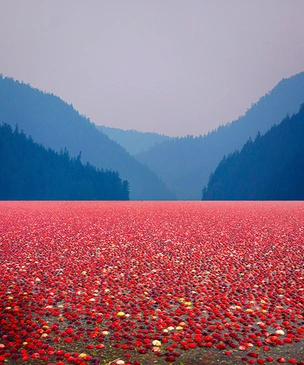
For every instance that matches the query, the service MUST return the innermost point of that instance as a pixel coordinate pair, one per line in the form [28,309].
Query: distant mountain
[270,168]
[134,141]
[30,172]
[55,124]
[185,164]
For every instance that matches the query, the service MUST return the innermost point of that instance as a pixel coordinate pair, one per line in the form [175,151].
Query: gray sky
[170,66]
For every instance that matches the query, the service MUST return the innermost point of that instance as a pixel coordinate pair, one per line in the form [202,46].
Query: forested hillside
[55,124]
[134,141]
[30,172]
[185,164]
[270,168]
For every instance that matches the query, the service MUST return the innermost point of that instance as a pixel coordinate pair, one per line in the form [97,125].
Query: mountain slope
[55,124]
[185,164]
[29,171]
[270,168]
[133,141]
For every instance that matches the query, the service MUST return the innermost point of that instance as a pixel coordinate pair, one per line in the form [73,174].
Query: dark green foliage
[30,172]
[55,124]
[270,168]
[185,163]
[134,141]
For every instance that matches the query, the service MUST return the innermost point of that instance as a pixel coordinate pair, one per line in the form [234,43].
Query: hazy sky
[170,66]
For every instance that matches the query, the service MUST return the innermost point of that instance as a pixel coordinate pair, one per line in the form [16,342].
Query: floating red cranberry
[85,275]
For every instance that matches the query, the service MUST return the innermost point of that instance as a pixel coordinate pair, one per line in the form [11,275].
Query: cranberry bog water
[89,283]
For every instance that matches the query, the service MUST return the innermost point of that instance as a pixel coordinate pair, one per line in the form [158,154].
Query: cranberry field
[90,283]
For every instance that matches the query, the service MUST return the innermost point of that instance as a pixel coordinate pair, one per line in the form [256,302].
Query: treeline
[28,171]
[56,125]
[185,164]
[270,168]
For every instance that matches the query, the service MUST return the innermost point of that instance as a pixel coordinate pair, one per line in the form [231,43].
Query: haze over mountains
[270,168]
[162,167]
[57,125]
[28,171]
[134,141]
[185,164]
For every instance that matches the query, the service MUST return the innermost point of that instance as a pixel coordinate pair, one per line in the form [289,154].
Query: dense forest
[57,125]
[28,171]
[270,168]
[134,141]
[185,164]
